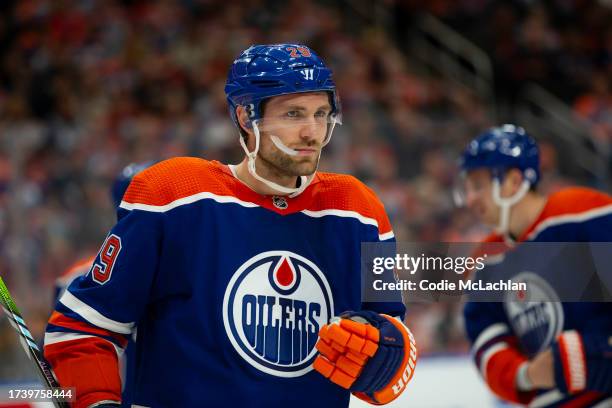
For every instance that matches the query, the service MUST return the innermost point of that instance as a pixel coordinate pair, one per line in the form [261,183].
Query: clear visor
[460,190]
[465,187]
[318,126]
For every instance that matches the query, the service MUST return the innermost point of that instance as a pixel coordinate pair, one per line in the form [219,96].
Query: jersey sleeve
[393,304]
[95,317]
[495,349]
[591,347]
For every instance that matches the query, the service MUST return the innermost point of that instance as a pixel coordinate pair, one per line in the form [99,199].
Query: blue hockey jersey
[505,334]
[225,288]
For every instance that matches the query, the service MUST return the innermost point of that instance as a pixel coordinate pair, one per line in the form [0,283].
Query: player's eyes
[296,114]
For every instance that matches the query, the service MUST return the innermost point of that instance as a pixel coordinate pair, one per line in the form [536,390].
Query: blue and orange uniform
[504,335]
[225,300]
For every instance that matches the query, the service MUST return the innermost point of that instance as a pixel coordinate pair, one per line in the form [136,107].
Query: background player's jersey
[505,334]
[79,268]
[228,289]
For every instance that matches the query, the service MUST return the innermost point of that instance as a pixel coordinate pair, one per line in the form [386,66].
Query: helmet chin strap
[252,156]
[281,146]
[505,204]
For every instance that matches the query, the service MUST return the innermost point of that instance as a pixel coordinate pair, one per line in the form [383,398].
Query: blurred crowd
[564,45]
[89,86]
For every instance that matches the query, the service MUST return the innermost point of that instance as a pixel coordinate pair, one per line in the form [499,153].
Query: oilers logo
[273,308]
[536,315]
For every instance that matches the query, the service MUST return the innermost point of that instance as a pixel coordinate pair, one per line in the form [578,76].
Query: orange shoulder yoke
[176,178]
[574,200]
[569,201]
[346,193]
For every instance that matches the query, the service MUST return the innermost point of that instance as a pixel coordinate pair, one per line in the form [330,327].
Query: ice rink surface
[449,382]
[443,381]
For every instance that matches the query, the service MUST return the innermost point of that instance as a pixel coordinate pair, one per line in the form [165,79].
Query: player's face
[479,196]
[299,122]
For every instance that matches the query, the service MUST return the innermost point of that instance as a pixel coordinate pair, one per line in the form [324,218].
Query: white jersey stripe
[489,333]
[184,201]
[341,213]
[386,236]
[567,218]
[231,199]
[93,316]
[55,337]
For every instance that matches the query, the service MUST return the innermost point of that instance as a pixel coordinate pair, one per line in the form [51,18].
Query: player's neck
[525,212]
[243,174]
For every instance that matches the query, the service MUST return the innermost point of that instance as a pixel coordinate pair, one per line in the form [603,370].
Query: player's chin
[304,167]
[480,219]
[490,220]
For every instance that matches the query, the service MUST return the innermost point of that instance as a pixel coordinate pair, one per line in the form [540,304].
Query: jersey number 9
[103,267]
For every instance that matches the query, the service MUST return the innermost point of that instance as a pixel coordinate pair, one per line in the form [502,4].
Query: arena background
[87,87]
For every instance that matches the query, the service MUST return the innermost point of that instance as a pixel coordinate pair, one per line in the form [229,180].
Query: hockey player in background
[82,265]
[538,353]
[232,274]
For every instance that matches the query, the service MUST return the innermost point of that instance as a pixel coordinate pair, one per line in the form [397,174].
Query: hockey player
[235,276]
[542,353]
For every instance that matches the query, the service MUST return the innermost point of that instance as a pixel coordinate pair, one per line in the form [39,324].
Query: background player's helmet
[123,180]
[264,71]
[502,148]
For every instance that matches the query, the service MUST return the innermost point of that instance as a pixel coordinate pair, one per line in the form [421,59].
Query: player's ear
[243,120]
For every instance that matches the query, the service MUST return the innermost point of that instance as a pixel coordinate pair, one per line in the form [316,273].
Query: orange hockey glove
[372,355]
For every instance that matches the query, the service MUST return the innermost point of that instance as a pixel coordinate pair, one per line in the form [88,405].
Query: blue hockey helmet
[123,180]
[502,148]
[264,71]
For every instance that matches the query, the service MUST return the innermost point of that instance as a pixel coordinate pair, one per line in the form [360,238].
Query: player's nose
[310,129]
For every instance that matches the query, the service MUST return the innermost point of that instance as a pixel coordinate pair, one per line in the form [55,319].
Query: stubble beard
[492,219]
[282,165]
